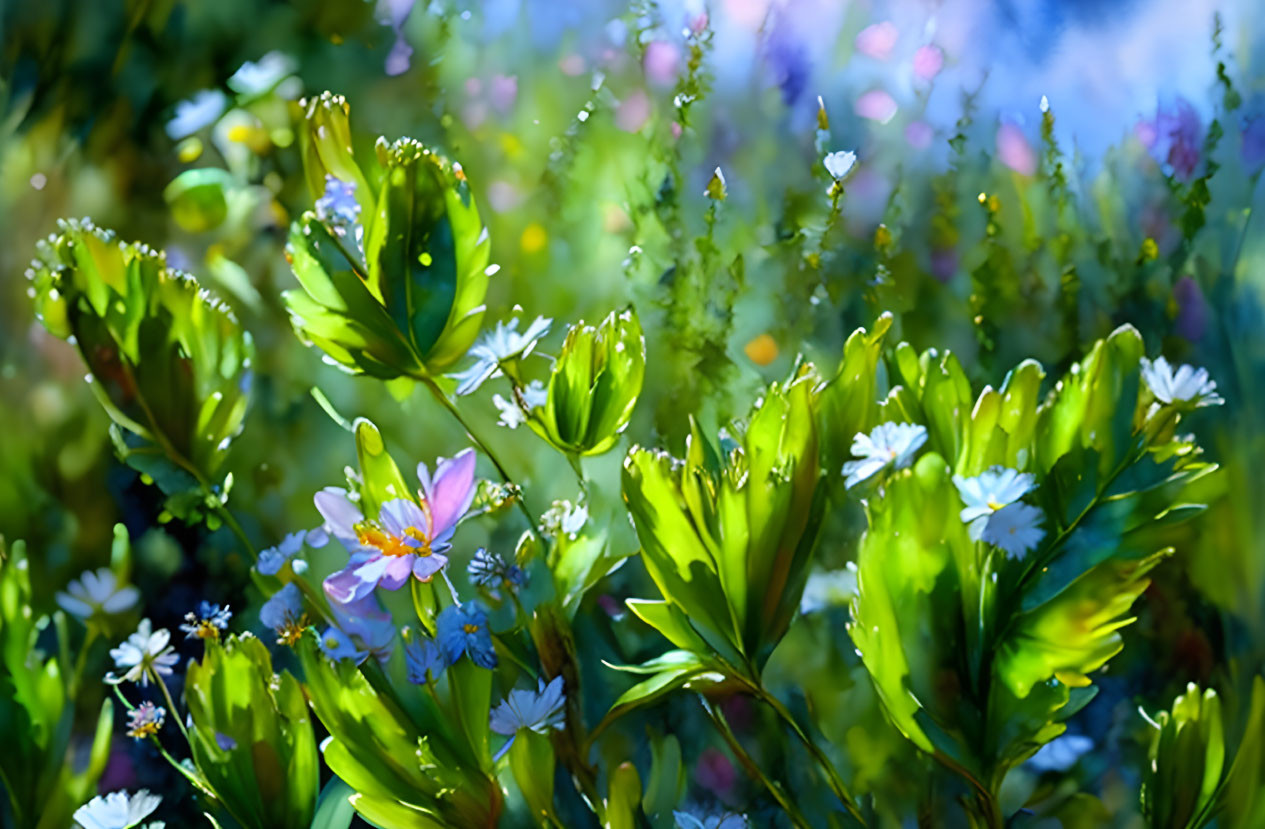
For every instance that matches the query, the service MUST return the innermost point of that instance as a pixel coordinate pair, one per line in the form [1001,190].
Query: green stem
[447,403]
[832,775]
[175,712]
[752,767]
[236,529]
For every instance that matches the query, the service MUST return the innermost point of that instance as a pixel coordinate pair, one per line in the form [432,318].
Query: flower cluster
[145,720]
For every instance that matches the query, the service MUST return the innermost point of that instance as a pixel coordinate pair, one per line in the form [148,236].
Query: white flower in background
[501,343]
[97,593]
[534,396]
[197,112]
[840,163]
[564,518]
[829,588]
[1185,384]
[988,492]
[147,651]
[117,810]
[887,444]
[1015,529]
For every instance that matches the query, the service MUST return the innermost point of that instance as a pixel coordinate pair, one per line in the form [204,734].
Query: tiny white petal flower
[989,492]
[840,163]
[1185,384]
[1016,529]
[893,444]
[146,651]
[117,810]
[96,593]
[503,342]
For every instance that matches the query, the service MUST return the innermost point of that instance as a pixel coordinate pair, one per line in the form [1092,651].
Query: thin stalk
[447,403]
[832,775]
[197,782]
[175,712]
[752,767]
[236,529]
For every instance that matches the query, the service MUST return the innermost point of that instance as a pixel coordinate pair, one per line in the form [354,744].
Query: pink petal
[450,492]
[878,40]
[928,61]
[1014,150]
[876,105]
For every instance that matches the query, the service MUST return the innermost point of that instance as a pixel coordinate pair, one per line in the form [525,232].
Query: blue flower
[284,614]
[1061,753]
[463,630]
[361,628]
[488,569]
[1185,384]
[501,343]
[338,207]
[887,444]
[117,810]
[1015,529]
[258,77]
[273,559]
[988,492]
[697,819]
[540,710]
[207,622]
[196,113]
[423,660]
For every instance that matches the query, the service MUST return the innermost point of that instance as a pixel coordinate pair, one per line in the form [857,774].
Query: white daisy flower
[1185,384]
[989,492]
[146,652]
[117,810]
[97,593]
[1016,529]
[888,444]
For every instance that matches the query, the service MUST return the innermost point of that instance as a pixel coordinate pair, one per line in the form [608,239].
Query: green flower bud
[393,262]
[168,361]
[1180,786]
[595,384]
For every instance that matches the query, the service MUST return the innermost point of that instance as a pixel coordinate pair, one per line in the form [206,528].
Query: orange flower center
[391,545]
[469,628]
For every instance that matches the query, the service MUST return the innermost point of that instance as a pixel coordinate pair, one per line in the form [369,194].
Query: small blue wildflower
[887,444]
[225,742]
[423,660]
[338,207]
[145,720]
[258,77]
[284,614]
[501,343]
[195,113]
[1015,529]
[488,569]
[273,559]
[97,593]
[1185,384]
[1061,753]
[988,492]
[463,629]
[207,622]
[117,810]
[698,819]
[839,164]
[540,710]
[361,628]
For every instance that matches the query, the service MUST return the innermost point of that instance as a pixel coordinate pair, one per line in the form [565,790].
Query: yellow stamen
[469,628]
[994,506]
[206,630]
[144,730]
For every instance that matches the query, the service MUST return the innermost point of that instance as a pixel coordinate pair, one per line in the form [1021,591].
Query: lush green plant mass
[878,489]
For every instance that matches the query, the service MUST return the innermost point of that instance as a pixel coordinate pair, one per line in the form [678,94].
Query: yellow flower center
[994,506]
[207,630]
[293,631]
[143,730]
[469,628]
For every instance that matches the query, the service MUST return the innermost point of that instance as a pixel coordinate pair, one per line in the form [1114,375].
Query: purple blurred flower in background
[877,40]
[1174,137]
[928,61]
[361,628]
[394,13]
[1192,309]
[876,105]
[1253,152]
[1014,150]
[408,537]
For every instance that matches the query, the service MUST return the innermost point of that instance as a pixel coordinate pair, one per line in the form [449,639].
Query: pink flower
[919,134]
[633,111]
[660,63]
[878,40]
[928,61]
[1014,150]
[876,105]
[715,772]
[503,92]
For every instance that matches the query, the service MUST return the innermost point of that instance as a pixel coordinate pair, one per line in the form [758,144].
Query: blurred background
[1029,175]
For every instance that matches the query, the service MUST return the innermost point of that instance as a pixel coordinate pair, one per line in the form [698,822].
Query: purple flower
[1177,138]
[361,629]
[463,629]
[145,720]
[406,537]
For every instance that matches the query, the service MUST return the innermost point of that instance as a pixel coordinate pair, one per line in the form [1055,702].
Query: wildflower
[338,207]
[258,77]
[891,444]
[563,518]
[989,492]
[117,810]
[1061,753]
[194,114]
[284,614]
[146,652]
[207,622]
[408,536]
[514,414]
[697,819]
[540,710]
[1186,384]
[145,720]
[501,343]
[273,559]
[96,593]
[463,630]
[488,569]
[717,190]
[225,742]
[423,660]
[1015,528]
[361,628]
[840,163]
